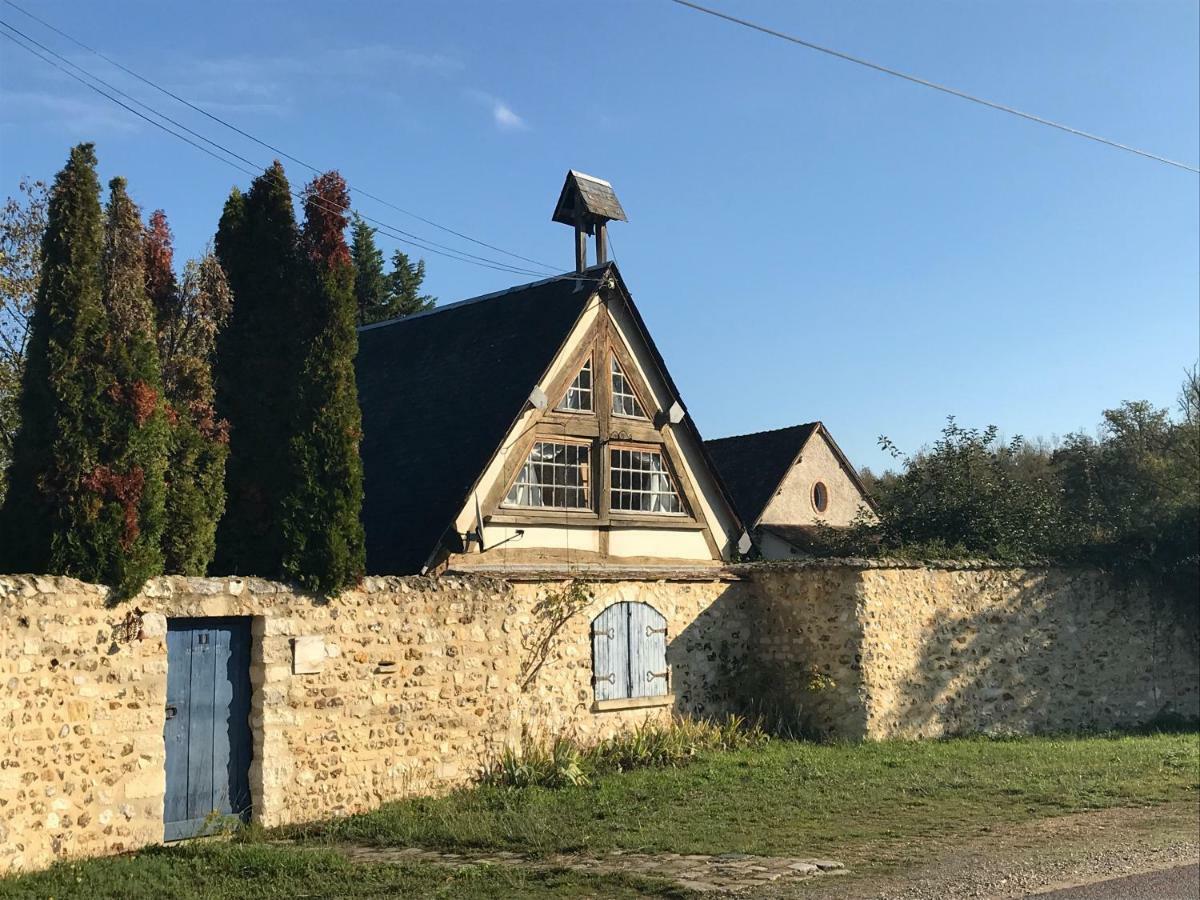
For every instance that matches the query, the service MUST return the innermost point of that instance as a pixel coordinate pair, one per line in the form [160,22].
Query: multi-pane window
[555,475]
[624,401]
[579,394]
[641,482]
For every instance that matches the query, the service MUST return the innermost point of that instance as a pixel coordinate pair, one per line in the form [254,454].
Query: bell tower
[588,204]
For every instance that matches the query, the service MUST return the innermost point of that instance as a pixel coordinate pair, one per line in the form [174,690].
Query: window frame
[660,450]
[615,359]
[589,487]
[819,485]
[588,360]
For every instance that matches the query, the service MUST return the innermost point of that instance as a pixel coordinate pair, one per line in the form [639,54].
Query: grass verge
[798,798]
[235,871]
[871,806]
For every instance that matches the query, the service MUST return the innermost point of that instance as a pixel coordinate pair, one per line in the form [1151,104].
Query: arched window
[629,652]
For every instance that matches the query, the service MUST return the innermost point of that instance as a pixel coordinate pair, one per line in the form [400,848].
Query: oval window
[820,496]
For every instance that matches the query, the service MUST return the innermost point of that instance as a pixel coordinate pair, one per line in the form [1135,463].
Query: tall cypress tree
[257,361]
[129,473]
[371,287]
[323,534]
[189,317]
[48,520]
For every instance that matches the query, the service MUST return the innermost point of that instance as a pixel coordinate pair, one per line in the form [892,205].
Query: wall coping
[501,579]
[856,563]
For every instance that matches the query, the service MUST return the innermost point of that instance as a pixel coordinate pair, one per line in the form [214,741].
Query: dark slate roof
[596,198]
[439,391]
[753,465]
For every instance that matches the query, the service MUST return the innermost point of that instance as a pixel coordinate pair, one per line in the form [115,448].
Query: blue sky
[807,239]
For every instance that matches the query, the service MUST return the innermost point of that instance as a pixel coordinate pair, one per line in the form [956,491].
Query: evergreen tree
[189,317]
[323,534]
[405,280]
[47,520]
[22,225]
[131,470]
[257,360]
[372,289]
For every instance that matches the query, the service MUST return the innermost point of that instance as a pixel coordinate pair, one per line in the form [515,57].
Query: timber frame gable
[494,528]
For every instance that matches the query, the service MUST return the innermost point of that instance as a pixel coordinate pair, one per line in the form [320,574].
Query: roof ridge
[489,296]
[732,437]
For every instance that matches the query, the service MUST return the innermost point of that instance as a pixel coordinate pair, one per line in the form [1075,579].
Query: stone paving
[728,872]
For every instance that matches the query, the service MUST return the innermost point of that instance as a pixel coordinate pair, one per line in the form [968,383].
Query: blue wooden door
[207,730]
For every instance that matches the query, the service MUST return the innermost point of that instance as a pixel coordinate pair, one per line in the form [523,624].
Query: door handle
[171,711]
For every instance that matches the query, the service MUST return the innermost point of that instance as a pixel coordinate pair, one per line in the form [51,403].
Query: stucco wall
[916,652]
[82,713]
[792,503]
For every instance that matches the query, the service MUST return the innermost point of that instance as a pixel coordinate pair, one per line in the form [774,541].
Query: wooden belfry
[588,204]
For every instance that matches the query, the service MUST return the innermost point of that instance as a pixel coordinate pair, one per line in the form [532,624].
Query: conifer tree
[371,285]
[405,280]
[257,361]
[48,520]
[189,317]
[129,473]
[323,534]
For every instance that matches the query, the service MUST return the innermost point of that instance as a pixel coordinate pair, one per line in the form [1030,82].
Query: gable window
[624,401]
[820,496]
[555,476]
[629,653]
[641,482]
[579,394]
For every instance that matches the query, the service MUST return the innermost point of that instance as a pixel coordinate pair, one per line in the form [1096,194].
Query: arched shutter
[647,651]
[610,652]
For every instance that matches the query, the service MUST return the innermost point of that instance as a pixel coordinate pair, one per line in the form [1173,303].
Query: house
[535,428]
[784,482]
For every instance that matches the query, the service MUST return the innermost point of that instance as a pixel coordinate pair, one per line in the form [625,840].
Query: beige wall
[915,652]
[792,503]
[857,650]
[81,715]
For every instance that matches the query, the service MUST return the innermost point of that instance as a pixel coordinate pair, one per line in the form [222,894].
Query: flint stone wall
[418,684]
[868,650]
[411,685]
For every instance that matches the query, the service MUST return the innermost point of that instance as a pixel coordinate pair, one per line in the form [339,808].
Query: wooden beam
[580,248]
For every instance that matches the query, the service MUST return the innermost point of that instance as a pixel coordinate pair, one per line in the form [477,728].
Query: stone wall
[904,651]
[422,681]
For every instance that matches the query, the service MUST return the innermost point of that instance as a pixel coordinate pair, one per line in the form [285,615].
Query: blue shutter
[610,653]
[647,651]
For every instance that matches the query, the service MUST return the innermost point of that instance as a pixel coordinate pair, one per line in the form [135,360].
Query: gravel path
[1022,861]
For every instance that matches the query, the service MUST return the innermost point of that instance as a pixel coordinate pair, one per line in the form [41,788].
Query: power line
[954,92]
[259,141]
[388,230]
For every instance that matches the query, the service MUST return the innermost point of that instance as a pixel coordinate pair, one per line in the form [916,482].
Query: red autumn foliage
[143,398]
[140,396]
[206,420]
[326,204]
[160,261]
[124,489]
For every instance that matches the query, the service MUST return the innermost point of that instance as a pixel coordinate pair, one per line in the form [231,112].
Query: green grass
[870,805]
[216,871]
[794,797]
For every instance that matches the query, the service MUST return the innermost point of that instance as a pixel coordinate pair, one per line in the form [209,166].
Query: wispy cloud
[273,83]
[503,115]
[74,114]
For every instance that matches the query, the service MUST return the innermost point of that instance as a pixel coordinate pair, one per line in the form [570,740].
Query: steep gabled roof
[439,391]
[753,465]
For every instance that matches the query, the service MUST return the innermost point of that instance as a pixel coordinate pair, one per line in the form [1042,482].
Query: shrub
[564,762]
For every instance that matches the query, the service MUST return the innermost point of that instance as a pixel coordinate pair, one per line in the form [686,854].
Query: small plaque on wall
[308,655]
